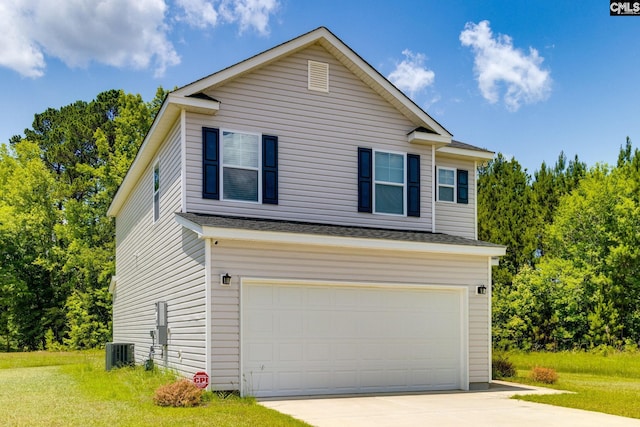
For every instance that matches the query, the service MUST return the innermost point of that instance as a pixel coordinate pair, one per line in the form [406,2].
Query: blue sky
[524,78]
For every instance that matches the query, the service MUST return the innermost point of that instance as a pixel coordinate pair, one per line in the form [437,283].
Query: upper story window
[241,165]
[156,192]
[389,182]
[446,184]
[453,185]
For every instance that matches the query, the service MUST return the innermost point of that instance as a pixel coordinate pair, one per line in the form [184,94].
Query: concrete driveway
[490,408]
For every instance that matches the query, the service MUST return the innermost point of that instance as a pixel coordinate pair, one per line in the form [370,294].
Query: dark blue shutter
[270,169]
[413,185]
[365,180]
[463,186]
[210,163]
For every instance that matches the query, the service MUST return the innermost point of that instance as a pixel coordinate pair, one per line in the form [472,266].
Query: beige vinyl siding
[318,135]
[160,261]
[242,260]
[457,219]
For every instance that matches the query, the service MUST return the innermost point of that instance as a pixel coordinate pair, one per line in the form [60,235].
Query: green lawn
[603,383]
[73,389]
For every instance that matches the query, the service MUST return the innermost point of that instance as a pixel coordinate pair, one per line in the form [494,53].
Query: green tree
[28,216]
[506,215]
[56,241]
[548,187]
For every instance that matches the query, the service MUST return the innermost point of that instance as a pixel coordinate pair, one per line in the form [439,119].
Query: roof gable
[345,55]
[192,98]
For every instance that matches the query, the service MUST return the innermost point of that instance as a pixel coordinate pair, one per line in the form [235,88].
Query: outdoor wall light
[481,290]
[225,279]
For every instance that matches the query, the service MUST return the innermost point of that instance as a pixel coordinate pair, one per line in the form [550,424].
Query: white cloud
[249,13]
[498,63]
[410,75]
[18,51]
[119,33]
[198,13]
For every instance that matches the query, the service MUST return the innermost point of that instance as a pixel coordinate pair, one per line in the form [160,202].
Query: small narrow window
[156,192]
[446,184]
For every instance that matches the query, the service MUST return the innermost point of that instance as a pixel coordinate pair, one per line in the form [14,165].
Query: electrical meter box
[161,323]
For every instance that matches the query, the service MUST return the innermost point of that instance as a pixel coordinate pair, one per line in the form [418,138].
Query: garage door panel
[340,339]
[259,353]
[318,297]
[260,323]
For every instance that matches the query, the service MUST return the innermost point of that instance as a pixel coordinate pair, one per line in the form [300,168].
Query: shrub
[544,375]
[502,367]
[182,393]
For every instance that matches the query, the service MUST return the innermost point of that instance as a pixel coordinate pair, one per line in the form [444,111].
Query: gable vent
[318,76]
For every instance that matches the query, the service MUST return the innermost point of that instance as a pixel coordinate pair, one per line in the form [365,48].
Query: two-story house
[306,229]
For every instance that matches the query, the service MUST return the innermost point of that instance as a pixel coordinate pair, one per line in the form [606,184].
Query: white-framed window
[446,184]
[241,163]
[389,180]
[156,192]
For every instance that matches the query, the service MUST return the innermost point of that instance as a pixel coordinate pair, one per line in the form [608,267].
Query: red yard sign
[201,379]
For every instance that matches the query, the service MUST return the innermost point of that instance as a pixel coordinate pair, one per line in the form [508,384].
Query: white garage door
[305,340]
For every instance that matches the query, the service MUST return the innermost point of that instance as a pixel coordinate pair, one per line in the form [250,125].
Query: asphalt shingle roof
[281,226]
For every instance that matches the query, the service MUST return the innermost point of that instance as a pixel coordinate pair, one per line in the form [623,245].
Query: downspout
[207,309]
[489,293]
[434,178]
[475,198]
[183,160]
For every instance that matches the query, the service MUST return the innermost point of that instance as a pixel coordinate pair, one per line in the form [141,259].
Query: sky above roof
[528,79]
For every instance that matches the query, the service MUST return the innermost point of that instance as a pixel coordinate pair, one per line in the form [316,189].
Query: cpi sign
[201,379]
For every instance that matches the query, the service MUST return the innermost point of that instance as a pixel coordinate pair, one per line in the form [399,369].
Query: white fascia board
[217,233]
[166,117]
[194,105]
[330,41]
[384,84]
[461,152]
[427,138]
[254,62]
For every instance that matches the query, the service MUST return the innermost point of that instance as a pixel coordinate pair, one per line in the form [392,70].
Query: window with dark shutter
[413,185]
[270,169]
[365,178]
[463,186]
[210,163]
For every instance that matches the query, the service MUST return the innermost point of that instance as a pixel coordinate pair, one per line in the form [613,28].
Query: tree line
[56,242]
[571,276]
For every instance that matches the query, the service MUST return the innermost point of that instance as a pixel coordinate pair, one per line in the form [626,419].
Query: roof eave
[482,156]
[275,237]
[427,138]
[162,124]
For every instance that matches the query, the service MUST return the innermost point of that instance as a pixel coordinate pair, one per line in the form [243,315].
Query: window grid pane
[446,177]
[389,199]
[445,194]
[240,184]
[240,149]
[389,167]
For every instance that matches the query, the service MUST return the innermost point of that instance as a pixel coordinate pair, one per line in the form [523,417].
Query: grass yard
[603,383]
[73,389]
